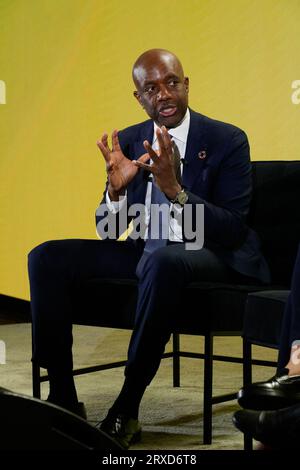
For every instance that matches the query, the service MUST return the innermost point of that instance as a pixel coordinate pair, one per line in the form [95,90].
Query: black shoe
[278,392]
[278,429]
[123,429]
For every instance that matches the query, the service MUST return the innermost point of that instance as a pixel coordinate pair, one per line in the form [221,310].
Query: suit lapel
[196,150]
[146,133]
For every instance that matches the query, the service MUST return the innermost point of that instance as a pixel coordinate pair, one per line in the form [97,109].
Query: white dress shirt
[179,134]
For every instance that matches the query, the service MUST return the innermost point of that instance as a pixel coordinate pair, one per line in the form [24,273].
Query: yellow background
[67,69]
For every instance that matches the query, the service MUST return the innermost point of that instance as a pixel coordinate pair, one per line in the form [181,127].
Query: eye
[173,82]
[149,89]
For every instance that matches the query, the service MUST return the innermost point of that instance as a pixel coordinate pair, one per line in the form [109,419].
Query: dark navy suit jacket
[221,180]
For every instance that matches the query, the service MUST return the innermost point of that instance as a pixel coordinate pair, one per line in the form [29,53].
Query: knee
[162,263]
[40,256]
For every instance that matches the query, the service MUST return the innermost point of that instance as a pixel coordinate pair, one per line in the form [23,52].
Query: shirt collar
[180,132]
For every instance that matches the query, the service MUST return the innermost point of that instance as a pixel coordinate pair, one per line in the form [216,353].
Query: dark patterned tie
[177,162]
[158,233]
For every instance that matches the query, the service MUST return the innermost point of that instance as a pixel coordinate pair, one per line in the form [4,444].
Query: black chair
[262,327]
[280,235]
[276,190]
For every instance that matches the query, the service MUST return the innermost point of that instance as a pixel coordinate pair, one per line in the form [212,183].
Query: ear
[138,97]
[186,83]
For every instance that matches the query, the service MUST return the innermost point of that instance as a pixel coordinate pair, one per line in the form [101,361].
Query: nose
[163,93]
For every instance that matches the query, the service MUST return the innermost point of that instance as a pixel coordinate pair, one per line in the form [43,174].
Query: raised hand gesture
[120,170]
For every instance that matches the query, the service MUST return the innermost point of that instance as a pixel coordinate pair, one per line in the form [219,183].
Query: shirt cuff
[177,208]
[176,223]
[115,206]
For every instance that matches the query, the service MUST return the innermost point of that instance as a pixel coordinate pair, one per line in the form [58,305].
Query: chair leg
[247,362]
[36,374]
[176,360]
[247,379]
[248,442]
[207,393]
[36,384]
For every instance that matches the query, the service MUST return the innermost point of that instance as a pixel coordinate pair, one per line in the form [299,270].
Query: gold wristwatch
[180,198]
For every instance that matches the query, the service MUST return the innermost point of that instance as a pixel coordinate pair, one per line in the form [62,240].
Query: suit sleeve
[225,213]
[111,224]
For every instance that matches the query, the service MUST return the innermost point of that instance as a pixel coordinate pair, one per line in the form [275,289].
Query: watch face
[182,198]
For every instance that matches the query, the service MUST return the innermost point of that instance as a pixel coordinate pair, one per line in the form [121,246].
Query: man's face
[162,89]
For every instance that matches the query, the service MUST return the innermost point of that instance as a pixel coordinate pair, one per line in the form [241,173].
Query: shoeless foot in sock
[280,391]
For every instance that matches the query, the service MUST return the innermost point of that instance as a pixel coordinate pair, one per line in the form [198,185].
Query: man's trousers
[58,268]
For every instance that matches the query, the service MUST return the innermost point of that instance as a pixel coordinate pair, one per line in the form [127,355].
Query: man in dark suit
[179,159]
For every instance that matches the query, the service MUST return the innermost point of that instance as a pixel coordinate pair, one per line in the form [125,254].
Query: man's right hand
[120,170]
